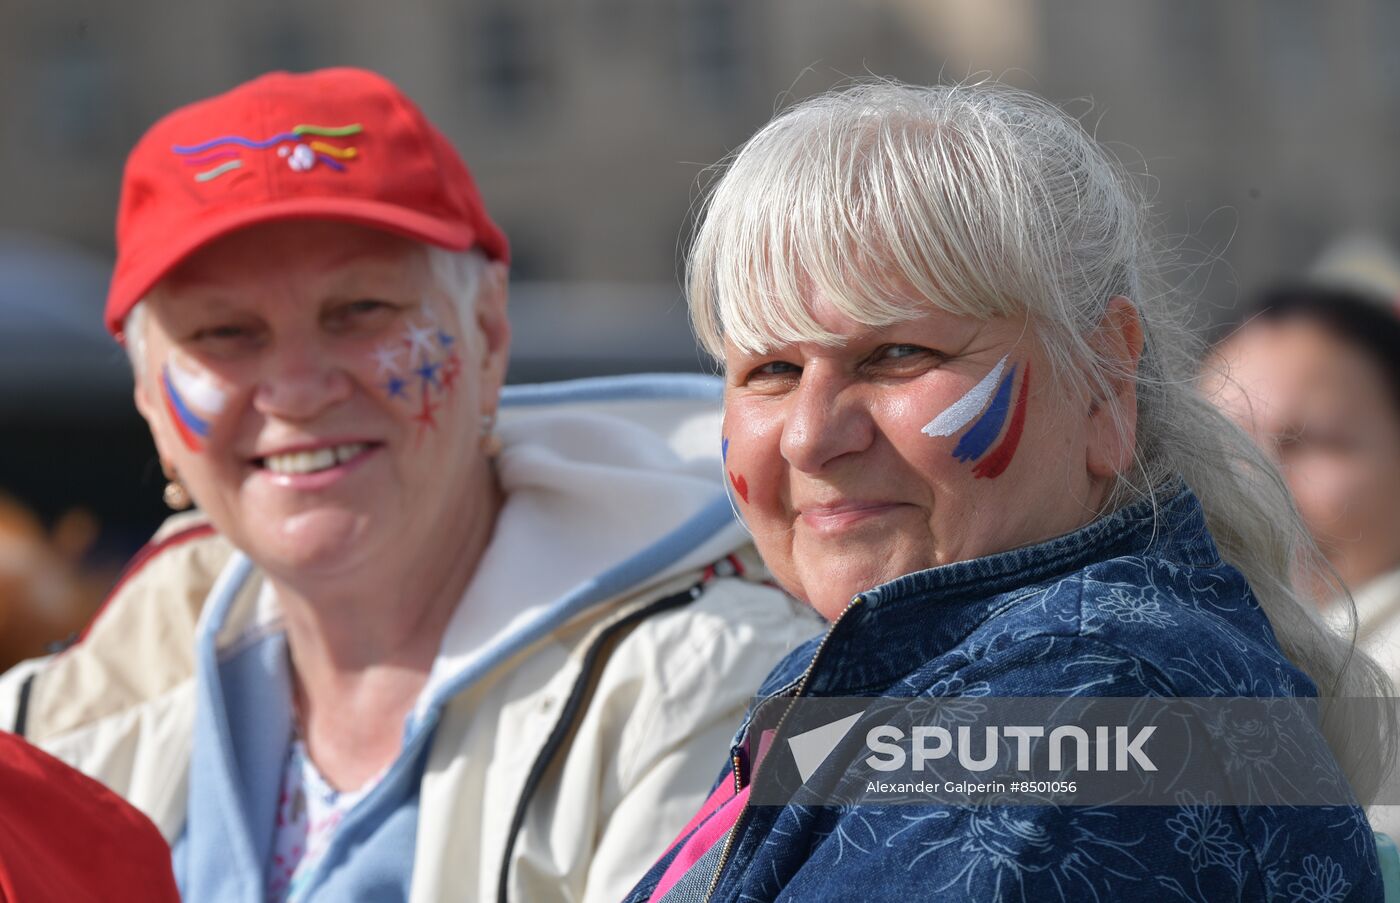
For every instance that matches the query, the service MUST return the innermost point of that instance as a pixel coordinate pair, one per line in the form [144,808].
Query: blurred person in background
[46,595]
[419,642]
[1314,376]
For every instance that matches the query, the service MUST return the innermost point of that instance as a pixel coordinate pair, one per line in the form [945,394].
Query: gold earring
[490,442]
[176,496]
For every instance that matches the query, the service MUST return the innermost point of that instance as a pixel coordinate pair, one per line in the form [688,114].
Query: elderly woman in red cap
[424,639]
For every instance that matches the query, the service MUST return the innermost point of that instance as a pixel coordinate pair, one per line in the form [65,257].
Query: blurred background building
[1265,130]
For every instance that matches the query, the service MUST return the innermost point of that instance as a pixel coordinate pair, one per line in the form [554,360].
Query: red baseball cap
[338,144]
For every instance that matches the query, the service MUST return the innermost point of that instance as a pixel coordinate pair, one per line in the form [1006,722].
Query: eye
[365,306]
[904,356]
[764,376]
[362,313]
[225,339]
[773,371]
[223,332]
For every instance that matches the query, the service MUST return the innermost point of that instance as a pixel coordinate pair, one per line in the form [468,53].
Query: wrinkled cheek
[418,371]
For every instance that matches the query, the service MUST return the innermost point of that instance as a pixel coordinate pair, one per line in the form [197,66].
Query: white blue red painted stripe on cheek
[191,399]
[996,463]
[960,413]
[986,406]
[984,431]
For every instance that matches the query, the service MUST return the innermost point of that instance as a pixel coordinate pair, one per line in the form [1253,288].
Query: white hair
[985,201]
[458,273]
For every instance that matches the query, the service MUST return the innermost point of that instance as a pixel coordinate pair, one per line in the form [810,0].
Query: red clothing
[63,836]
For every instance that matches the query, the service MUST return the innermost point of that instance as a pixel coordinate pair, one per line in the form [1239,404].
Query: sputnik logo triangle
[810,749]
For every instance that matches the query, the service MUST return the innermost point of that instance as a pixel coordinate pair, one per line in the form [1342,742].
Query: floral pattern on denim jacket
[1134,604]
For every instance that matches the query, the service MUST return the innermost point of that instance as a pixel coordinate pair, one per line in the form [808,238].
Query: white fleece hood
[609,484]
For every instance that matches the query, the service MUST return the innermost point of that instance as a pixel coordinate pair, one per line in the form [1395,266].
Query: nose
[300,380]
[826,420]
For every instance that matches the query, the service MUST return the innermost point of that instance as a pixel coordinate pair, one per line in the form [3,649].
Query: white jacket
[594,672]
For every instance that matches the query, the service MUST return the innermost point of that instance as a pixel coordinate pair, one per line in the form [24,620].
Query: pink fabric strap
[711,823]
[706,836]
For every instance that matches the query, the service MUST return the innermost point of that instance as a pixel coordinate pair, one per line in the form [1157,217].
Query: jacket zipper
[802,682]
[594,660]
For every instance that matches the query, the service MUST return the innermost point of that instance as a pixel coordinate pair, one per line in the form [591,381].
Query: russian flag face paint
[960,413]
[193,399]
[994,420]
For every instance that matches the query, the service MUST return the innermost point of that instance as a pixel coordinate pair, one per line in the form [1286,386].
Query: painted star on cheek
[387,357]
[397,387]
[451,369]
[428,373]
[419,340]
[446,340]
[425,418]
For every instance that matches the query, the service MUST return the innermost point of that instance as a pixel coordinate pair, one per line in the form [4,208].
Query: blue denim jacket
[1130,605]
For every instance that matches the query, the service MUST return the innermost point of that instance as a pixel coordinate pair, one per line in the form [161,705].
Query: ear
[494,326]
[1112,432]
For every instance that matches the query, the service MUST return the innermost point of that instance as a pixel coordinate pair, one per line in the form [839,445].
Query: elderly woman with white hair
[425,638]
[960,425]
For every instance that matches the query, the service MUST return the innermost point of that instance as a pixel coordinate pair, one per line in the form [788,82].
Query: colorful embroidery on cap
[340,153]
[217,171]
[301,156]
[210,158]
[986,406]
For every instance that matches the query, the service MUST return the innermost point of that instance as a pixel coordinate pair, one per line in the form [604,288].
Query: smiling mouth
[313,460]
[837,517]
